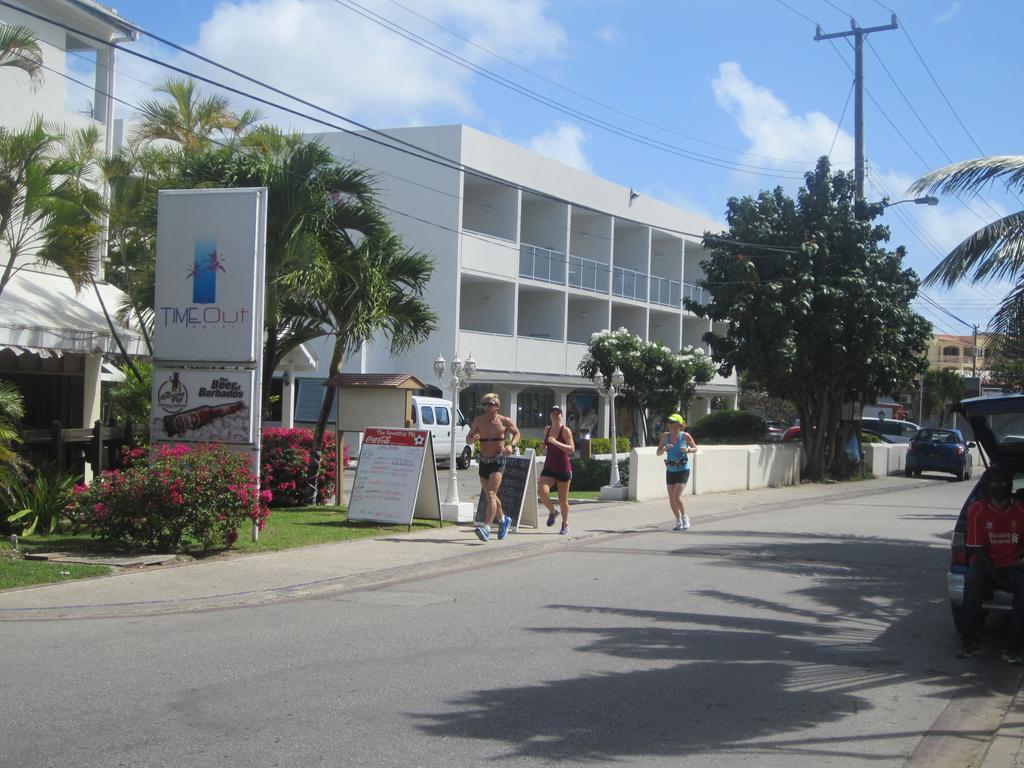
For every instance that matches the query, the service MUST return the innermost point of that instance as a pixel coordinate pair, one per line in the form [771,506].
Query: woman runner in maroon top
[558,446]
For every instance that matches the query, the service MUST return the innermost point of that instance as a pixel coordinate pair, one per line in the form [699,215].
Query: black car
[998,424]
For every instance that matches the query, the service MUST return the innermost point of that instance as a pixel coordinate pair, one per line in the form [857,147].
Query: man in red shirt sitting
[995,538]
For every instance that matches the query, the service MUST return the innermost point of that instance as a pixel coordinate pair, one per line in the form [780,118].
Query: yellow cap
[677,419]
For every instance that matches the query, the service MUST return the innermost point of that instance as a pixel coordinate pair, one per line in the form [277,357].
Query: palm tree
[12,410]
[49,209]
[19,48]
[997,249]
[375,292]
[189,120]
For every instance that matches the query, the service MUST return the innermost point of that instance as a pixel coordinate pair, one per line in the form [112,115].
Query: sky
[688,101]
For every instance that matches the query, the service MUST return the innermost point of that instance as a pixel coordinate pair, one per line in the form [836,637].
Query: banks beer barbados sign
[209,276]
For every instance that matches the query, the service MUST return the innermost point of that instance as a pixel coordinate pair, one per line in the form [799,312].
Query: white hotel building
[531,258]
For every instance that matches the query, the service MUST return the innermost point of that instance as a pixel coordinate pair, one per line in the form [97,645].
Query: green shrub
[38,505]
[529,442]
[591,474]
[180,498]
[603,445]
[730,428]
[866,437]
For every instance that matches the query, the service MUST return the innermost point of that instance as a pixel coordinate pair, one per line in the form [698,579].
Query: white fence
[718,468]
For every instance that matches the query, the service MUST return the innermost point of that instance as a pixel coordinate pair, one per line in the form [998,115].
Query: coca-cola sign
[210,275]
[204,406]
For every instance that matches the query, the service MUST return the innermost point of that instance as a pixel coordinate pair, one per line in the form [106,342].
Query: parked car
[898,431]
[939,450]
[998,424]
[776,429]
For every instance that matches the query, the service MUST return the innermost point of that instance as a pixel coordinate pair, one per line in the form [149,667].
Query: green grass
[286,529]
[24,573]
[305,526]
[582,495]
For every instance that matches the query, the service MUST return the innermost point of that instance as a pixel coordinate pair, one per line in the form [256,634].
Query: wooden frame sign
[396,479]
[518,491]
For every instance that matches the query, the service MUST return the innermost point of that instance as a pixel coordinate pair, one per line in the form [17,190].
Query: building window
[534,405]
[951,352]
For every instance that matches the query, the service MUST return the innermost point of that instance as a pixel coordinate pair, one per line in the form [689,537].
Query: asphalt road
[812,635]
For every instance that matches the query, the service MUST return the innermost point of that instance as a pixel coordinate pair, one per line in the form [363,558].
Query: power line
[585,97]
[558,106]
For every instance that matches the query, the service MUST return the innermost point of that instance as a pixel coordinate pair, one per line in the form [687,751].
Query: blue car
[939,450]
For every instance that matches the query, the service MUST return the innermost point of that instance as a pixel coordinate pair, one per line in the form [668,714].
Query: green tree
[657,380]
[816,310]
[996,250]
[12,466]
[942,389]
[49,207]
[189,119]
[375,293]
[19,48]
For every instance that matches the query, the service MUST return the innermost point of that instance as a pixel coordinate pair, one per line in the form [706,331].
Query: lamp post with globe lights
[459,375]
[614,489]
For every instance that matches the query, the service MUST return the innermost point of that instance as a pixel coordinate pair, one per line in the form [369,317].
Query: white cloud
[327,54]
[950,12]
[774,131]
[564,143]
[607,34]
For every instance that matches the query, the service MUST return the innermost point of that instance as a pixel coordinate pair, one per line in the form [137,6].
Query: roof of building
[380,380]
[42,312]
[108,14]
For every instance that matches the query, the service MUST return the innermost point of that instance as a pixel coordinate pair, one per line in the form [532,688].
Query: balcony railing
[588,275]
[665,291]
[542,264]
[695,293]
[629,284]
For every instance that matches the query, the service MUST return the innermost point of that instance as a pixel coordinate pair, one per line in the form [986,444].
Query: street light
[460,374]
[611,391]
[926,200]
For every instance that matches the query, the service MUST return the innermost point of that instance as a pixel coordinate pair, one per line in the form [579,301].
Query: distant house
[55,343]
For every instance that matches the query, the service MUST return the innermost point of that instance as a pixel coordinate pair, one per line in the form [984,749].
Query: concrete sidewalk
[241,580]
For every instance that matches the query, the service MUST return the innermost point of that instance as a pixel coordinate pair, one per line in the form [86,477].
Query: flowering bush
[285,459]
[179,497]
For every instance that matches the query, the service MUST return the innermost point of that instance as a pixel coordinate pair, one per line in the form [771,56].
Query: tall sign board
[518,491]
[208,335]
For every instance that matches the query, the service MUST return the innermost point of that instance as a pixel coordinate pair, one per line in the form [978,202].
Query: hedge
[730,428]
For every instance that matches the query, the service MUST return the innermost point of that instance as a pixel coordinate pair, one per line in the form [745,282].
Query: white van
[435,415]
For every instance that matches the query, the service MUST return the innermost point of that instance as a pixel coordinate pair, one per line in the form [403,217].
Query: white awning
[41,313]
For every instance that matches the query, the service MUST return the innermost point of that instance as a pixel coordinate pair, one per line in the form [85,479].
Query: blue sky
[738,90]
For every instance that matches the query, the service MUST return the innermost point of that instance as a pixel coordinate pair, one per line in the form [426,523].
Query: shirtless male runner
[490,429]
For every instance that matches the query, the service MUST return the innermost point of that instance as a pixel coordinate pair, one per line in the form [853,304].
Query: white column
[91,397]
[288,399]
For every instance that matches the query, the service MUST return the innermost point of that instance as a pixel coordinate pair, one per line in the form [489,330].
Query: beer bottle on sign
[195,418]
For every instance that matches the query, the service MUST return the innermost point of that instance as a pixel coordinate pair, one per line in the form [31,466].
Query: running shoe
[551,518]
[969,650]
[564,531]
[506,521]
[483,533]
[685,523]
[678,526]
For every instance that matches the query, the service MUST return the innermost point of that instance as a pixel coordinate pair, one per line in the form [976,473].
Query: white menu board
[396,479]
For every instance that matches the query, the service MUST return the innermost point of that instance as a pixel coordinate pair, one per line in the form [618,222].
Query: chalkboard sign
[395,479]
[518,492]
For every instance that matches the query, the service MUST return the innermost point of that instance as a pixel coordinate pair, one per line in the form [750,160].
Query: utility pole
[974,357]
[858,32]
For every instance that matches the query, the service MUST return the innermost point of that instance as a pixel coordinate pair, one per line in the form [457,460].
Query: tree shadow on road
[763,676]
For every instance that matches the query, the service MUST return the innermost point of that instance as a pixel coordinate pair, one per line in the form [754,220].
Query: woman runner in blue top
[678,445]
